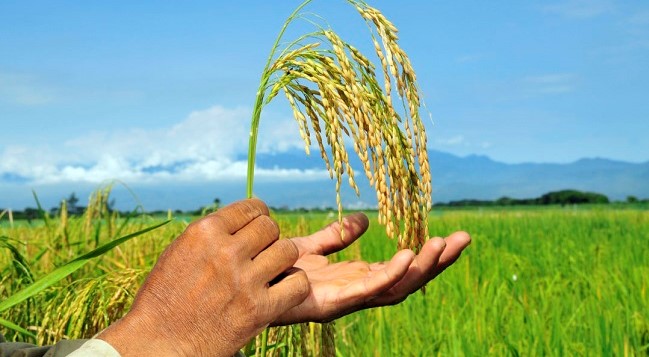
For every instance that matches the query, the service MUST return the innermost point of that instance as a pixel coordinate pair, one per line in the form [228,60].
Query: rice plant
[541,281]
[537,282]
[336,94]
[37,303]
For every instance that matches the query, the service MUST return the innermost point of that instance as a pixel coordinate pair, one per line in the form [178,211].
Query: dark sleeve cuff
[21,349]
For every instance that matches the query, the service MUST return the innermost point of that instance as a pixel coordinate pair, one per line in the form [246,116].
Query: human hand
[342,288]
[219,284]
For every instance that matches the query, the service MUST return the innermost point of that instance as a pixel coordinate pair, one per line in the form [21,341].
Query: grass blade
[41,211]
[13,326]
[67,269]
[19,262]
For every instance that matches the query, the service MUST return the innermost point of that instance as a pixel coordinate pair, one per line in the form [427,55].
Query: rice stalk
[329,339]
[21,268]
[87,306]
[338,99]
[32,272]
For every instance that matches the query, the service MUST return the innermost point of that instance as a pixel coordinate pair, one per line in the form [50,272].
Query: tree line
[562,197]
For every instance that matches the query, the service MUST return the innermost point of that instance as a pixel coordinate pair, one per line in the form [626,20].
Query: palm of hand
[340,288]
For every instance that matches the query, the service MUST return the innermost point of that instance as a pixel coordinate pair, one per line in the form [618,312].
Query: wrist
[134,337]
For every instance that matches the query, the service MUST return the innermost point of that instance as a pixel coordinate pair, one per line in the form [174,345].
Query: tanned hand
[219,284]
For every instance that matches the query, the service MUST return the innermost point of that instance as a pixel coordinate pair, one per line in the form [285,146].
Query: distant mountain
[480,177]
[454,178]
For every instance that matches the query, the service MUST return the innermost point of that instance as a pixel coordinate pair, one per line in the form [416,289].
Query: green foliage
[542,281]
[75,264]
[563,197]
[39,263]
[547,281]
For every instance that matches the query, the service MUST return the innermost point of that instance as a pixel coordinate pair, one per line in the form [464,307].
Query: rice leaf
[41,211]
[19,262]
[67,269]
[13,326]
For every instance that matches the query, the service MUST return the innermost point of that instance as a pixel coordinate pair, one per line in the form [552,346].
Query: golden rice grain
[334,94]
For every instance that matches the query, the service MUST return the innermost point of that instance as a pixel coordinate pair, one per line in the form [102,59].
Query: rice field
[543,281]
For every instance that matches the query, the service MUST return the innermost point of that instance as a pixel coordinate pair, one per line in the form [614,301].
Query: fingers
[311,262]
[237,215]
[257,235]
[328,240]
[455,244]
[435,256]
[289,292]
[418,274]
[275,259]
[379,281]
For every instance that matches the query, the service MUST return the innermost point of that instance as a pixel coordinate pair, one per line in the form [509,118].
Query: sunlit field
[543,281]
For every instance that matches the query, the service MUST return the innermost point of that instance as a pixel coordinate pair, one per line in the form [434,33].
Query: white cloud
[470,58]
[640,18]
[24,90]
[204,135]
[359,205]
[551,83]
[454,140]
[460,142]
[580,9]
[277,134]
[530,87]
[208,145]
[549,78]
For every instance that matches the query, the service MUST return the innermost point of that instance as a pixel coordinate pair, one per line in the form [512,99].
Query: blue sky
[93,90]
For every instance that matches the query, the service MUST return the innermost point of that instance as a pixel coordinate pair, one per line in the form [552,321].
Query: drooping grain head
[335,94]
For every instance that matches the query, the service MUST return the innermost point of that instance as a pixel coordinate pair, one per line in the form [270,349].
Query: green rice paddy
[543,281]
